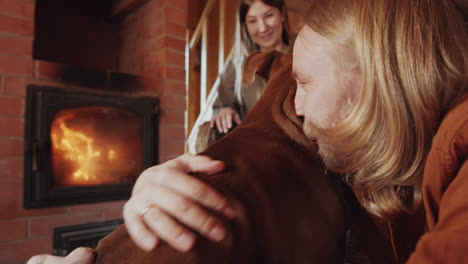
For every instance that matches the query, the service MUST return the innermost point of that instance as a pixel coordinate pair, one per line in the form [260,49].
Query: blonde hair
[413,59]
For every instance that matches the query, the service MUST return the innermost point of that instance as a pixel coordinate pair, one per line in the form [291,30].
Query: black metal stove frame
[42,103]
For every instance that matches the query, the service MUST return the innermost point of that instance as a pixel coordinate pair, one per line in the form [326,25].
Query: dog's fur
[289,210]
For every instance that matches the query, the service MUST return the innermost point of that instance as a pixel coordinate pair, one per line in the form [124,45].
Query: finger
[78,256]
[81,255]
[195,189]
[219,125]
[46,259]
[224,122]
[237,118]
[186,212]
[140,234]
[212,122]
[185,163]
[169,230]
[229,121]
[200,164]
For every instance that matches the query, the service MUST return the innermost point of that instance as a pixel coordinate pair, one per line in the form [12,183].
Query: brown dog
[288,210]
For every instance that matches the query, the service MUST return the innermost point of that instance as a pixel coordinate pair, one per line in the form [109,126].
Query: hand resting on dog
[287,209]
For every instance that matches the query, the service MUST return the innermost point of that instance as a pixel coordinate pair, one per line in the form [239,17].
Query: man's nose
[299,102]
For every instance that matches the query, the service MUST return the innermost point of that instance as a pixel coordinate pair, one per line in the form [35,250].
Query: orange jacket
[445,193]
[439,234]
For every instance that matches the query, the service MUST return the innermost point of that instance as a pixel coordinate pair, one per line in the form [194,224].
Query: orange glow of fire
[79,148]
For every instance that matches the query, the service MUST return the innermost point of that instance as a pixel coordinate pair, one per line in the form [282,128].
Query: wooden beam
[198,30]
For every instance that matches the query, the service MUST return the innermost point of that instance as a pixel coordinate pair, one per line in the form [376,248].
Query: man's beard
[328,145]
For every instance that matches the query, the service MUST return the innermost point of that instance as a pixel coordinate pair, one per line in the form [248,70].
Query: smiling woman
[263,26]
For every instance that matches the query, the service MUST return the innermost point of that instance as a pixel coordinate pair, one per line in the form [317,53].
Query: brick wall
[153,46]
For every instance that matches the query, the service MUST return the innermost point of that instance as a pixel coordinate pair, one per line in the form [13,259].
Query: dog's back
[289,210]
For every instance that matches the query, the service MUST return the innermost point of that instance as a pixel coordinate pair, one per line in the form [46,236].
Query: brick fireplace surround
[152,48]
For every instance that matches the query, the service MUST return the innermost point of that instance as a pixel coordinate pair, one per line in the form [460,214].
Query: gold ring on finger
[149,207]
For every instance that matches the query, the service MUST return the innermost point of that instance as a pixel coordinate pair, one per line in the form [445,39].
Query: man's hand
[169,204]
[78,256]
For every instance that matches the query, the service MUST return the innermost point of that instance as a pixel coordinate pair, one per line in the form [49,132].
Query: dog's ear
[262,64]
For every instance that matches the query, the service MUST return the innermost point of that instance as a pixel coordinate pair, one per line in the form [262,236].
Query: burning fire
[85,155]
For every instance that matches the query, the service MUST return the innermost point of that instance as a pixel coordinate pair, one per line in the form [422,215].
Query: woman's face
[265,25]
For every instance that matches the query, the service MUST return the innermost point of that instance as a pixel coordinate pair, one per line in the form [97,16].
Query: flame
[78,148]
[91,146]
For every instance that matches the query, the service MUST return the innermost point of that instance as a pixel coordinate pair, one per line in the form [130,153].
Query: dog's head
[264,65]
[278,97]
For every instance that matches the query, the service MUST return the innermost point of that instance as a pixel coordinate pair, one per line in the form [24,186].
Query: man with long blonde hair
[399,68]
[383,87]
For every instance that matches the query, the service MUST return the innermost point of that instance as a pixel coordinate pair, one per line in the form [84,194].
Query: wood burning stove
[84,146]
[68,238]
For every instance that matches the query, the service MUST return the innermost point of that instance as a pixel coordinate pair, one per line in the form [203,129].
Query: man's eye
[251,21]
[269,15]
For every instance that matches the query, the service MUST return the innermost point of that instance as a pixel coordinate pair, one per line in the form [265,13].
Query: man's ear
[257,64]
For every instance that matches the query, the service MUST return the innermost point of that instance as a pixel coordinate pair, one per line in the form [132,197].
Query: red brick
[14,86]
[175,30]
[11,127]
[158,57]
[131,18]
[173,117]
[176,44]
[154,12]
[19,252]
[112,214]
[10,209]
[11,168]
[42,226]
[10,189]
[97,207]
[175,73]
[169,157]
[174,148]
[180,4]
[156,44]
[15,45]
[169,57]
[175,59]
[162,157]
[171,132]
[156,72]
[124,6]
[20,8]
[153,84]
[48,70]
[11,147]
[177,16]
[15,65]
[10,106]
[174,87]
[13,230]
[173,102]
[152,7]
[156,30]
[17,26]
